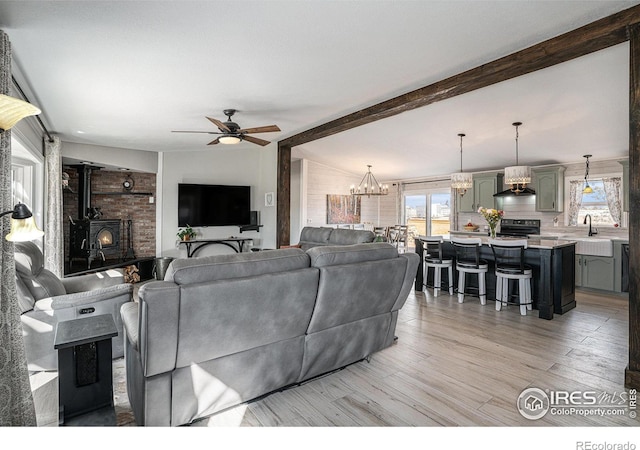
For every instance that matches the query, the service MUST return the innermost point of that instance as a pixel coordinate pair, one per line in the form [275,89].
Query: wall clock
[127,184]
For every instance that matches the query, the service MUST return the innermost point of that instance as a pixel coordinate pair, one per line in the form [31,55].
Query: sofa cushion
[348,254]
[313,236]
[237,265]
[347,237]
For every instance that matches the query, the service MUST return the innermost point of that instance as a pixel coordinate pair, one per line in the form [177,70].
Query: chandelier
[461,181]
[369,186]
[517,176]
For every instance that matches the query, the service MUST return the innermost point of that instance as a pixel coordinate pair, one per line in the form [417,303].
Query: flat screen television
[213,205]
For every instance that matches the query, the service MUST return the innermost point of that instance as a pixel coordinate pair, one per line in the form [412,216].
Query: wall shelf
[250,228]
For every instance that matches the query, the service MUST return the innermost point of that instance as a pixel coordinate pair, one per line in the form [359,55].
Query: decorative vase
[492,231]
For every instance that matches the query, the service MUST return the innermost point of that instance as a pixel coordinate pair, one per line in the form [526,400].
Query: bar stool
[468,261]
[509,258]
[433,259]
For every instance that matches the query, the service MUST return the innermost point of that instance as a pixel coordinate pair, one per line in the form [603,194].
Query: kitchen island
[553,263]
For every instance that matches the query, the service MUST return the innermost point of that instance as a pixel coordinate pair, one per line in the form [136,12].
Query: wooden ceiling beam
[598,35]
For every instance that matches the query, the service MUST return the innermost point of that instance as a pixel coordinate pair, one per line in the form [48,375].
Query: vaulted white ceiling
[125,74]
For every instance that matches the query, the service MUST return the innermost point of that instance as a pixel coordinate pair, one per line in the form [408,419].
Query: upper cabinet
[484,186]
[549,187]
[625,185]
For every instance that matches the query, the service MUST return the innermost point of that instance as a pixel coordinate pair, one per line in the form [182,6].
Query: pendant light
[461,181]
[517,176]
[369,186]
[587,189]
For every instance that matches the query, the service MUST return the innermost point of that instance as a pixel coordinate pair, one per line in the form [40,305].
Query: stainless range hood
[510,193]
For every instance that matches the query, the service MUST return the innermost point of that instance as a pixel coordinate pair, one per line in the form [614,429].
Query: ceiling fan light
[229,140]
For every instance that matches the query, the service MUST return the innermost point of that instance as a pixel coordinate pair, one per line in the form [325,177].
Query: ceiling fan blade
[255,140]
[219,124]
[204,132]
[265,129]
[214,142]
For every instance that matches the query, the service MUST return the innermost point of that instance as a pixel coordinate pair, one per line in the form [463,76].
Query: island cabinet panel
[553,284]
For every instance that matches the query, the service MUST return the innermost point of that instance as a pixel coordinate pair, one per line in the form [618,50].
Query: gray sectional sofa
[316,236]
[222,330]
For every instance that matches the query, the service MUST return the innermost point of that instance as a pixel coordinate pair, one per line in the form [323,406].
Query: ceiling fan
[231,133]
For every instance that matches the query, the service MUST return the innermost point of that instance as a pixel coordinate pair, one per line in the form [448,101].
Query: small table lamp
[23,225]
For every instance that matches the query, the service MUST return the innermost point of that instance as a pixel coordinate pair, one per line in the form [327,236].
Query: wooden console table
[236,243]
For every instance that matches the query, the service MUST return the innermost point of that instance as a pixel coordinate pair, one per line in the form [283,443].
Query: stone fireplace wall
[115,202]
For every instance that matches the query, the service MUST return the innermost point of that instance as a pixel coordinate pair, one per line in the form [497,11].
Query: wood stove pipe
[84,189]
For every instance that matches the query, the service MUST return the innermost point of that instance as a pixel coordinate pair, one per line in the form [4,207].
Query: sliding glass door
[427,213]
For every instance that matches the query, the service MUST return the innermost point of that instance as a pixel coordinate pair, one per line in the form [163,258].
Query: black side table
[85,377]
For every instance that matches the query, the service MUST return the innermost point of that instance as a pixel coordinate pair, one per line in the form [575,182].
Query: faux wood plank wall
[323,180]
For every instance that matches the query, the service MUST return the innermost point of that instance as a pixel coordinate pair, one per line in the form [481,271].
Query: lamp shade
[13,110]
[517,175]
[23,225]
[461,180]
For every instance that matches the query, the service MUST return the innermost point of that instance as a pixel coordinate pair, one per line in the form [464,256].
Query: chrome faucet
[591,230]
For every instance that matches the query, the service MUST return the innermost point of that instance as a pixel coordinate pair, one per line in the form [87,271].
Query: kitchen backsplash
[525,208]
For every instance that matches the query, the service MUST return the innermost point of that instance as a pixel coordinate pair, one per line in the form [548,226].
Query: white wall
[136,160]
[235,165]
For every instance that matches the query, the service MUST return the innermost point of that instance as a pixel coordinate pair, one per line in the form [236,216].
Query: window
[603,205]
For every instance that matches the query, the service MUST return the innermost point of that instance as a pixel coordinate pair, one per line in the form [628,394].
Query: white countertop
[534,241]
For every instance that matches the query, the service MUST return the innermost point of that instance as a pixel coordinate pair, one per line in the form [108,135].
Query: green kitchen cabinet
[484,186]
[625,185]
[549,187]
[595,272]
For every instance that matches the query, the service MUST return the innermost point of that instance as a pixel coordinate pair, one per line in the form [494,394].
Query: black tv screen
[209,205]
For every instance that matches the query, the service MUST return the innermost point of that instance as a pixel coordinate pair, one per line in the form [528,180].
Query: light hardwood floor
[454,365]
[462,365]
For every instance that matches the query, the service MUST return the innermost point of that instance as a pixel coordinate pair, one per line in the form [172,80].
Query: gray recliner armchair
[45,300]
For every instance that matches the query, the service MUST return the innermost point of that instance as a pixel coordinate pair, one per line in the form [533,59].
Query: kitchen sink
[594,246]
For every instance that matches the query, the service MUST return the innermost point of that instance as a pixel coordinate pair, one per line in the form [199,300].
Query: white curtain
[575,200]
[53,236]
[16,401]
[612,191]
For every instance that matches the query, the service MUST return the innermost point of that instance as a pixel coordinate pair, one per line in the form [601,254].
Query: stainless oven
[521,228]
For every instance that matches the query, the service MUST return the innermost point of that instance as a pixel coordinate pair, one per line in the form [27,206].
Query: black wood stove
[95,240]
[91,237]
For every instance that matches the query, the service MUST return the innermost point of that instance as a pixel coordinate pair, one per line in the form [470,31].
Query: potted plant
[186,234]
